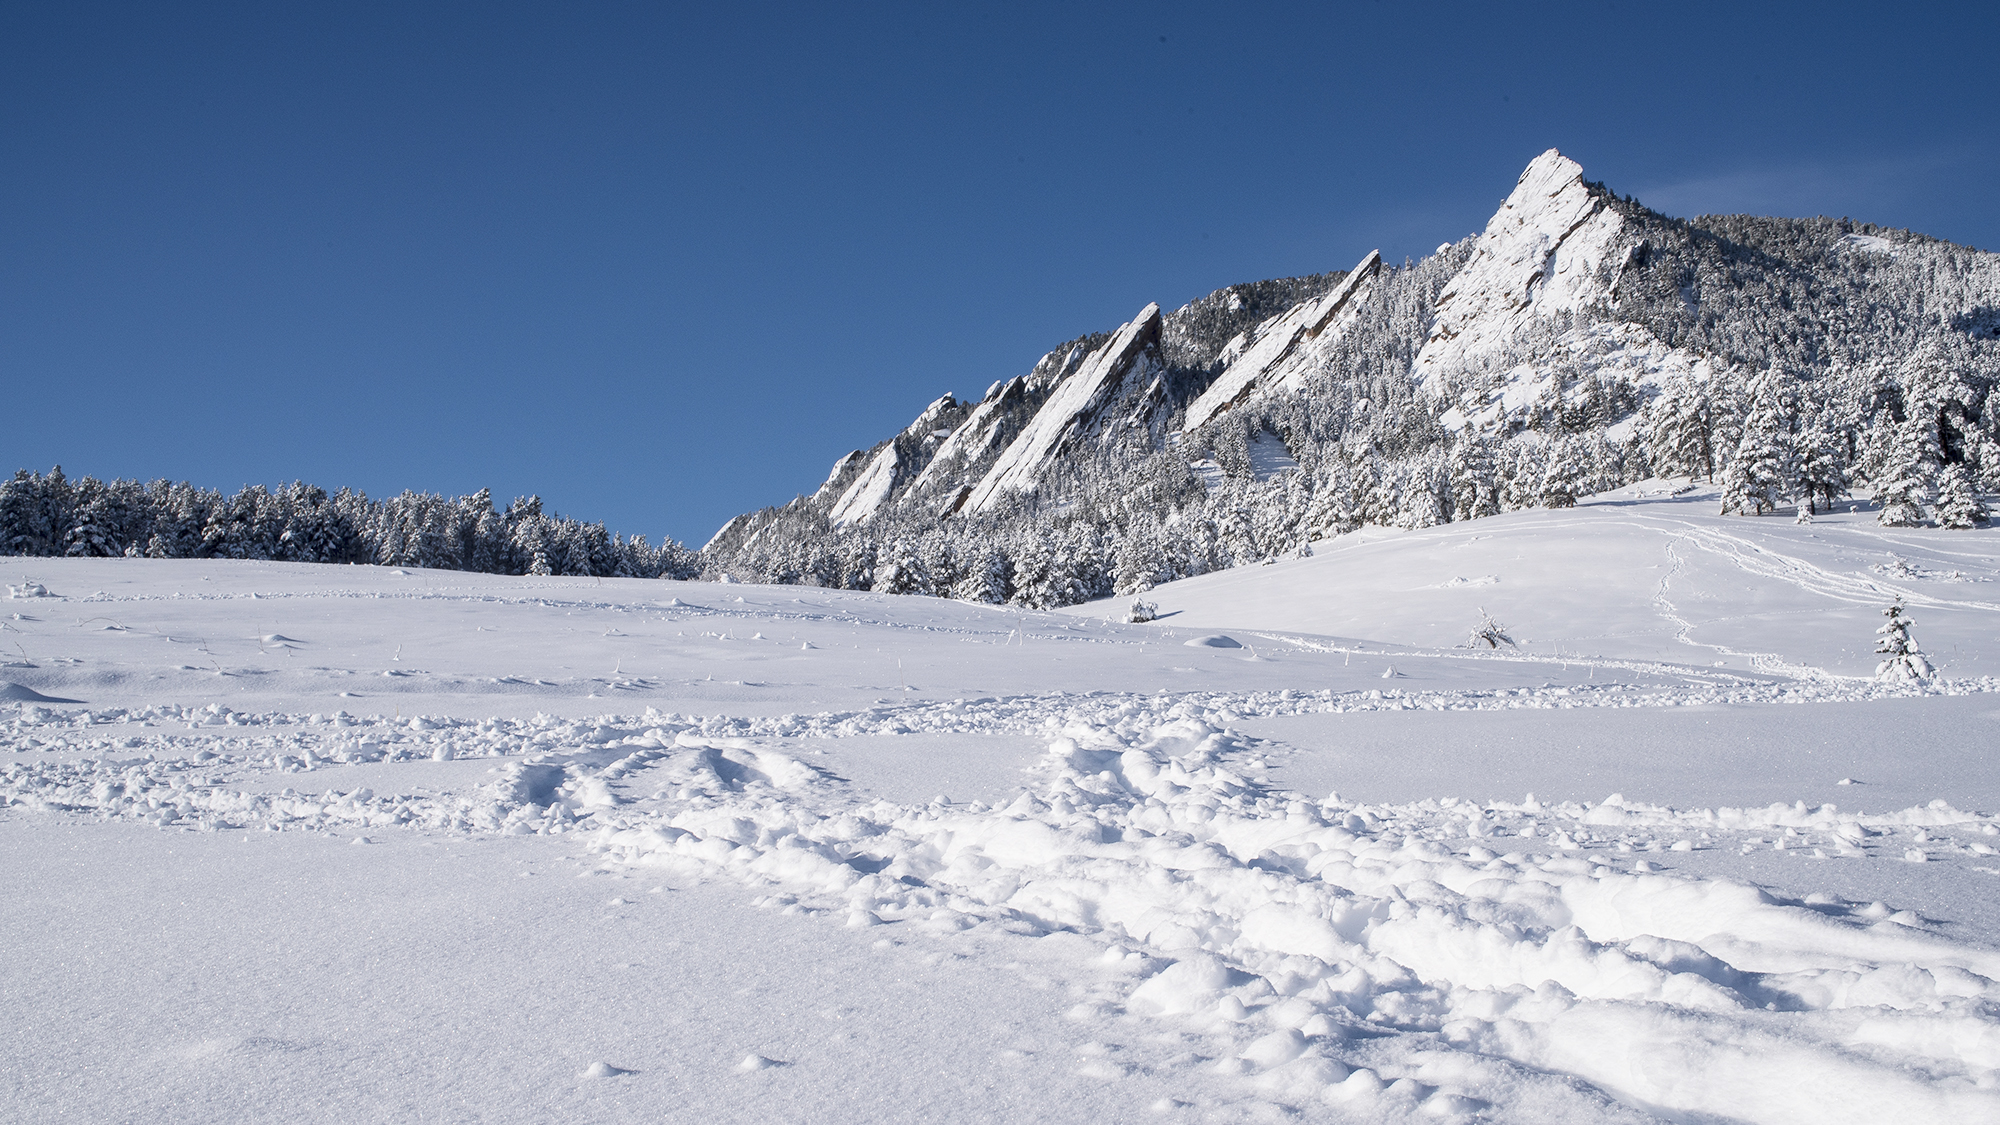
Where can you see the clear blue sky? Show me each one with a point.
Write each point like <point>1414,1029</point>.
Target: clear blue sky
<point>661,264</point>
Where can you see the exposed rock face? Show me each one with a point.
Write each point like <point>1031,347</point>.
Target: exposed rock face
<point>842,474</point>
<point>909,451</point>
<point>1542,252</point>
<point>870,490</point>
<point>984,433</point>
<point>724,533</point>
<point>1074,409</point>
<point>1271,360</point>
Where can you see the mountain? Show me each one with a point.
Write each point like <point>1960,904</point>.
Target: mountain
<point>1580,343</point>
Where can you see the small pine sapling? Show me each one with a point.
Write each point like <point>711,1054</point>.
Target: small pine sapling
<point>1142,611</point>
<point>1902,660</point>
<point>1489,633</point>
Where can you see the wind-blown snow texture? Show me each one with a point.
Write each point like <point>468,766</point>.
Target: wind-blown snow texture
<point>858,857</point>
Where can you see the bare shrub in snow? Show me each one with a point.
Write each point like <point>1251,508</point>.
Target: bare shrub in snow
<point>1489,633</point>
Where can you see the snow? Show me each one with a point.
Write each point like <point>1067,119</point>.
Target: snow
<point>1869,243</point>
<point>1635,575</point>
<point>1542,252</point>
<point>972,440</point>
<point>1273,360</point>
<point>1071,405</point>
<point>1269,457</point>
<point>643,850</point>
<point>1599,350</point>
<point>870,490</point>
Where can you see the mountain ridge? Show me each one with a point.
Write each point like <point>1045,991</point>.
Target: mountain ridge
<point>1579,342</point>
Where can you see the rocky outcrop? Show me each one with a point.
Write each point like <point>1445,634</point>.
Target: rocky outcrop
<point>1073,409</point>
<point>1542,252</point>
<point>1271,360</point>
<point>908,453</point>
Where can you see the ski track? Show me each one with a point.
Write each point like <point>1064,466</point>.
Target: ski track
<point>1767,662</point>
<point>1441,959</point>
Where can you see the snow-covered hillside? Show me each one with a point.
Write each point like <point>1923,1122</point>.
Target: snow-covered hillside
<point>636,849</point>
<point>1643,573</point>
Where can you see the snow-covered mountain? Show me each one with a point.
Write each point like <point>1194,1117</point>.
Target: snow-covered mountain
<point>1579,343</point>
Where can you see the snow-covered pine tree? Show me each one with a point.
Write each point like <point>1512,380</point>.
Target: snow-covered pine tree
<point>1762,474</point>
<point>92,522</point>
<point>1474,493</point>
<point>1909,471</point>
<point>1822,465</point>
<point>898,572</point>
<point>1563,464</point>
<point>1680,427</point>
<point>1902,661</point>
<point>984,578</point>
<point>1134,564</point>
<point>1033,579</point>
<point>1958,505</point>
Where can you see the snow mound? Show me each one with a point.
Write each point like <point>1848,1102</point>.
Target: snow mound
<point>1214,640</point>
<point>1287,921</point>
<point>11,692</point>
<point>29,590</point>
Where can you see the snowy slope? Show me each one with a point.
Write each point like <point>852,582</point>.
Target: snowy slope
<point>1600,351</point>
<point>723,852</point>
<point>1639,574</point>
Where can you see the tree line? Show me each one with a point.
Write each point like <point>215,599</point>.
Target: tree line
<point>51,514</point>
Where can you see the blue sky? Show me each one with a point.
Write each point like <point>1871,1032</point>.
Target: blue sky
<point>661,264</point>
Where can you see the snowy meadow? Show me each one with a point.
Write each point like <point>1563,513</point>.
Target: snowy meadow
<point>365,843</point>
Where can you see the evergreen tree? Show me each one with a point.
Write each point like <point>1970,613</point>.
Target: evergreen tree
<point>1909,470</point>
<point>1474,492</point>
<point>1902,661</point>
<point>1562,465</point>
<point>1959,506</point>
<point>1762,474</point>
<point>985,579</point>
<point>1822,466</point>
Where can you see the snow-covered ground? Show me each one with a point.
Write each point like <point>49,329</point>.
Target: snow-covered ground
<point>362,844</point>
